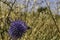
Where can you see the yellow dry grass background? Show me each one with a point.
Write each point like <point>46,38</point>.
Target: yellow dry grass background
<point>42,24</point>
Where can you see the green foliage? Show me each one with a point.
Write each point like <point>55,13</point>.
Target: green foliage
<point>40,9</point>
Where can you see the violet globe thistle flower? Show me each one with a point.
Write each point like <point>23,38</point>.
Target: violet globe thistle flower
<point>17,29</point>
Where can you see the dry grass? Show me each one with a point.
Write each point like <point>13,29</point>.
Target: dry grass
<point>43,27</point>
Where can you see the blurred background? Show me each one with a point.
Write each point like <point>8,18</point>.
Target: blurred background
<point>43,16</point>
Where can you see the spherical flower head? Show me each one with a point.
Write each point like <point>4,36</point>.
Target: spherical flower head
<point>17,29</point>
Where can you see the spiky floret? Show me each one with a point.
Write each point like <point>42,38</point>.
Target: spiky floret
<point>17,29</point>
